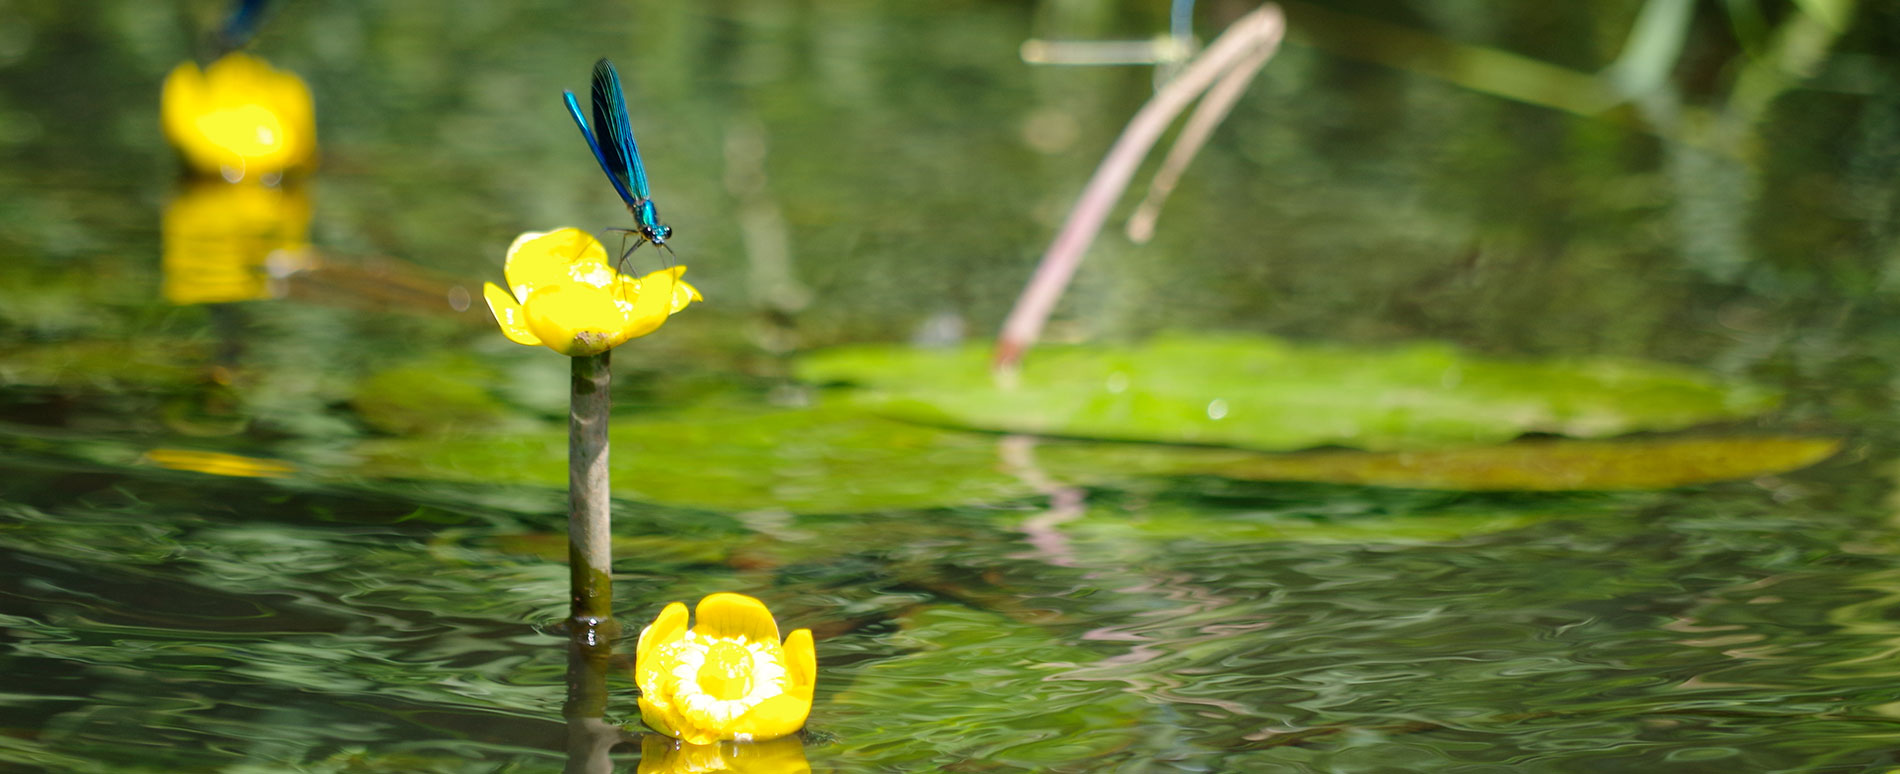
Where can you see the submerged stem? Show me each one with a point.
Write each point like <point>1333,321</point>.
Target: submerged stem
<point>589,554</point>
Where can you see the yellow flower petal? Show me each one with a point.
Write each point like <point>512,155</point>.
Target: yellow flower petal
<point>508,314</point>
<point>781,715</point>
<point>684,294</point>
<point>540,258</point>
<point>735,615</point>
<point>801,658</point>
<point>239,117</point>
<point>680,293</point>
<point>649,309</point>
<point>671,625</point>
<point>576,319</point>
<point>656,297</point>
<point>665,719</point>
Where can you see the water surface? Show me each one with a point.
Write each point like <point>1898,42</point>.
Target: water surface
<point>847,174</point>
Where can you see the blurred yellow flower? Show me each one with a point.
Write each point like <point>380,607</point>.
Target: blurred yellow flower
<point>225,242</point>
<point>218,464</point>
<point>660,755</point>
<point>239,118</point>
<point>564,295</point>
<point>726,679</point>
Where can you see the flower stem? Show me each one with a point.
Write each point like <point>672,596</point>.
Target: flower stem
<point>589,553</point>
<point>1242,44</point>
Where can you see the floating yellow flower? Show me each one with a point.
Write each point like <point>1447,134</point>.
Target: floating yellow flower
<point>727,678</point>
<point>228,242</point>
<point>239,118</point>
<point>567,297</point>
<point>660,755</point>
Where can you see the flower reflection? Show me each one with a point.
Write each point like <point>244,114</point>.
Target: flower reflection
<point>218,463</point>
<point>225,242</point>
<point>664,755</point>
<point>563,294</point>
<point>728,678</point>
<point>239,118</point>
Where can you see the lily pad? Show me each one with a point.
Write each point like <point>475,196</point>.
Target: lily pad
<point>835,460</point>
<point>1264,393</point>
<point>798,460</point>
<point>1555,465</point>
<point>1137,533</point>
<point>1547,466</point>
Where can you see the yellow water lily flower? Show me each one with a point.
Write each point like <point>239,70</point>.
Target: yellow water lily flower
<point>567,297</point>
<point>661,755</point>
<point>726,679</point>
<point>227,242</point>
<point>239,118</point>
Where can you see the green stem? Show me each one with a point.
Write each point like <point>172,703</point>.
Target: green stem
<point>589,553</point>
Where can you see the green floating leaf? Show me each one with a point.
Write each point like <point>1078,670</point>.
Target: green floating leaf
<point>816,461</point>
<point>1106,533</point>
<point>1267,394</point>
<point>797,460</point>
<point>1558,465</point>
<point>1542,466</point>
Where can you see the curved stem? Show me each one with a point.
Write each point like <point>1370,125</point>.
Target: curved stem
<point>1207,115</point>
<point>1262,28</point>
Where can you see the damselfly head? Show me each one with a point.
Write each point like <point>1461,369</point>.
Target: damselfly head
<point>657,234</point>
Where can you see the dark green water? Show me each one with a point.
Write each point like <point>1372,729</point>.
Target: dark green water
<point>853,172</point>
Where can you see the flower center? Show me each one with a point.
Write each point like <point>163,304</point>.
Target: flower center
<point>727,673</point>
<point>721,678</point>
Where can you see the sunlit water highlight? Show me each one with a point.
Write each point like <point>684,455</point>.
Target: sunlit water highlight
<point>321,630</point>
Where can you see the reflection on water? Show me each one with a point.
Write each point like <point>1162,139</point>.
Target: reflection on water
<point>662,755</point>
<point>246,619</point>
<point>217,464</point>
<point>206,566</point>
<point>226,242</point>
<point>590,737</point>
